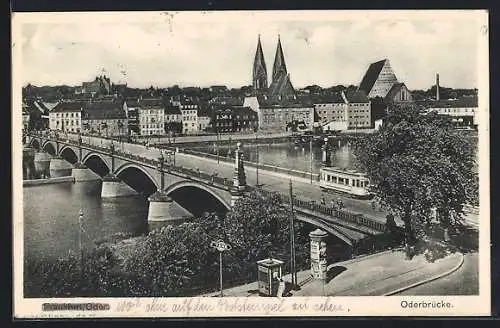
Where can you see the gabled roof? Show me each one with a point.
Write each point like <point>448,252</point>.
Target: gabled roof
<point>172,110</point>
<point>358,96</point>
<point>243,110</point>
<point>452,103</point>
<point>68,106</point>
<point>99,110</point>
<point>150,103</point>
<point>371,76</point>
<point>281,86</point>
<point>332,98</point>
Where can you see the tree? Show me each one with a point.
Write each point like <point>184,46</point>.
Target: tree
<point>417,162</point>
<point>258,228</point>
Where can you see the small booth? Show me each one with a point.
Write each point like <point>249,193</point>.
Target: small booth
<point>269,275</point>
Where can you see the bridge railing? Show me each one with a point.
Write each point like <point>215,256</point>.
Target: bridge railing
<point>215,179</point>
<point>355,218</point>
<point>264,167</point>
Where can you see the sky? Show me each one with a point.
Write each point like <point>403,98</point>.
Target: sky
<point>218,48</point>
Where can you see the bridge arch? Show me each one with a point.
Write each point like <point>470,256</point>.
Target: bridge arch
<point>328,228</point>
<point>96,163</point>
<point>131,166</point>
<point>197,197</point>
<point>49,148</point>
<point>35,144</point>
<point>68,154</point>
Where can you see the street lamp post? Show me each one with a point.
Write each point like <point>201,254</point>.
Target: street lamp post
<point>311,158</point>
<point>80,242</point>
<point>161,161</point>
<point>257,167</point>
<point>220,246</point>
<point>218,137</point>
<point>292,240</point>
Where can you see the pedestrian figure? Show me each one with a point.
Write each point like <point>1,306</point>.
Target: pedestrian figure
<point>340,203</point>
<point>323,202</point>
<point>373,205</point>
<point>281,288</point>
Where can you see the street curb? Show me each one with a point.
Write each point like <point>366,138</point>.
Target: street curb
<point>435,277</point>
<point>369,256</point>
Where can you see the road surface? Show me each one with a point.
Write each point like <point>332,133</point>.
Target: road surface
<point>464,281</point>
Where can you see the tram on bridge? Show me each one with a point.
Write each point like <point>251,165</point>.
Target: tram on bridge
<point>349,182</point>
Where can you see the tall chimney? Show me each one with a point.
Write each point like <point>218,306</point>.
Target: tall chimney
<point>437,86</point>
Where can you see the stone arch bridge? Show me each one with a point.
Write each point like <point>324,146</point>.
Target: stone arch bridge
<point>165,181</point>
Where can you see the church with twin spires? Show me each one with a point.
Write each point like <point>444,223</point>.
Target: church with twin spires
<point>281,88</point>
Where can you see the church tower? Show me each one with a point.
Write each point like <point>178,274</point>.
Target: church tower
<point>281,87</point>
<point>259,69</point>
<point>279,67</point>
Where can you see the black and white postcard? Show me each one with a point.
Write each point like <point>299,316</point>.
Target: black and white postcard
<point>259,163</point>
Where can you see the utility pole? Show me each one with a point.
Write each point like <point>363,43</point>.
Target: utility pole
<point>292,240</point>
<point>257,167</point>
<point>311,158</point>
<point>218,137</point>
<point>80,241</point>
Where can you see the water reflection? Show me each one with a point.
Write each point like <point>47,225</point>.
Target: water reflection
<point>288,155</point>
<point>51,217</point>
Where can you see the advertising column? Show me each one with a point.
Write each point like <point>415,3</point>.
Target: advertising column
<point>318,254</point>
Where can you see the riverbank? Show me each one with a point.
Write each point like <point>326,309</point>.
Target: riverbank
<point>39,182</point>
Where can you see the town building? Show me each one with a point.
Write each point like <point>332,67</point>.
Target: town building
<point>222,121</point>
<point>131,108</point>
<point>100,86</point>
<point>331,108</point>
<point>259,69</point>
<point>67,116</point>
<point>378,79</point>
<point>204,118</point>
<point>359,110</point>
<point>398,93</point>
<point>38,112</point>
<point>173,119</point>
<point>281,88</point>
<point>278,117</point>
<point>463,111</point>
<point>151,116</point>
<point>189,112</point>
<point>105,118</point>
<point>244,119</point>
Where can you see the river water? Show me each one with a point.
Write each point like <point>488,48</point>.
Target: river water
<point>51,213</point>
<point>287,155</point>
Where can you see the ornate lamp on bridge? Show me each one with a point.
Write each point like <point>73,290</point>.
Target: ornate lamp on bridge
<point>239,177</point>
<point>221,247</point>
<point>326,156</point>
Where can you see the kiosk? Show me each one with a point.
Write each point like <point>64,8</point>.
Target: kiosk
<point>269,275</point>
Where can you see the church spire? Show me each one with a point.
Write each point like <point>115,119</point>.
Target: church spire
<point>259,69</point>
<point>279,66</point>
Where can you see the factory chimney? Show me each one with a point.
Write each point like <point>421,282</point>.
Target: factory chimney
<point>437,86</point>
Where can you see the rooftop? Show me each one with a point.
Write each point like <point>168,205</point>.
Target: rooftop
<point>371,76</point>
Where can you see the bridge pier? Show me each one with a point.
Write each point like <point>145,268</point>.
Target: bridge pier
<point>59,167</point>
<point>42,163</point>
<point>113,187</point>
<point>28,163</point>
<point>82,173</point>
<point>163,208</point>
